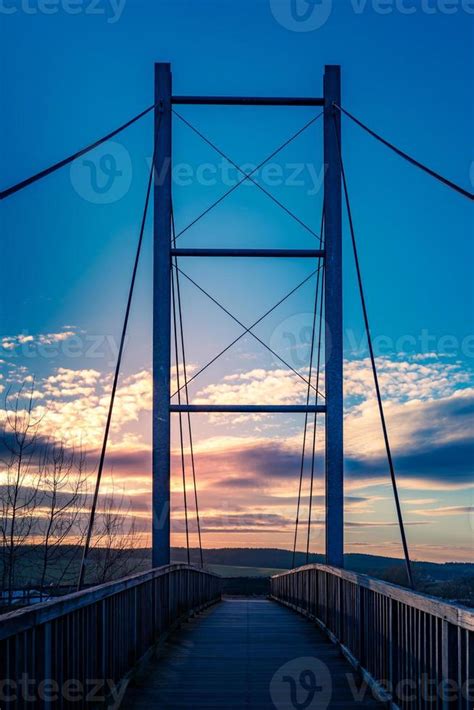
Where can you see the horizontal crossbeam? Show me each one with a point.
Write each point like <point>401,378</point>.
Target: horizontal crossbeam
<point>248,100</point>
<point>249,408</point>
<point>270,253</point>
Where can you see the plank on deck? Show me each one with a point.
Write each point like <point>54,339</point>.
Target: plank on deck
<point>227,657</point>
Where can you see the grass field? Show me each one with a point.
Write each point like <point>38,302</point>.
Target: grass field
<point>234,571</point>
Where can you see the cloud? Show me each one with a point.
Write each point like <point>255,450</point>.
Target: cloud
<point>446,511</point>
<point>73,405</point>
<point>419,501</point>
<point>400,381</point>
<point>431,444</point>
<point>381,524</point>
<point>404,379</point>
<point>11,342</point>
<point>431,438</point>
<point>257,386</point>
<point>247,522</point>
<point>251,470</point>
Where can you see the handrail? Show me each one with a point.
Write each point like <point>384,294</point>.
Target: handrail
<point>21,620</point>
<point>413,650</point>
<point>98,634</point>
<point>458,615</point>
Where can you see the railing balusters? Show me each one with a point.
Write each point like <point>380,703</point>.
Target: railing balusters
<point>411,644</point>
<point>99,633</point>
<point>469,673</point>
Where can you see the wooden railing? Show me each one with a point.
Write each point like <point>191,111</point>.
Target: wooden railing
<point>415,651</point>
<point>76,651</point>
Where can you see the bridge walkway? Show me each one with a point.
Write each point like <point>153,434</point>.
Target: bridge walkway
<point>248,654</point>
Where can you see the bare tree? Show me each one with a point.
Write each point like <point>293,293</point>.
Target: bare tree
<point>20,493</point>
<point>43,519</point>
<point>64,489</point>
<point>42,496</point>
<point>116,541</point>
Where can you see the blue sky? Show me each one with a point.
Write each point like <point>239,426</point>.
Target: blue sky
<point>67,253</point>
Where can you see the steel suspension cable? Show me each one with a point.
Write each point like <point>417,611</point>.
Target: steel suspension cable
<point>62,163</point>
<point>247,176</point>
<point>318,370</point>
<point>305,427</point>
<point>186,390</point>
<point>374,369</point>
<point>115,380</point>
<point>308,394</point>
<point>409,158</point>
<point>181,438</point>
<point>247,330</point>
<point>223,308</point>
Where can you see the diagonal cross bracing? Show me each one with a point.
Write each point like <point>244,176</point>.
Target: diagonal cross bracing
<point>247,176</point>
<point>247,330</point>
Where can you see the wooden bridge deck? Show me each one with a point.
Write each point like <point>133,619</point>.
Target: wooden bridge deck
<point>248,654</point>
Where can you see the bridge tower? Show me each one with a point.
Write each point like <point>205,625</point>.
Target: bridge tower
<point>162,257</point>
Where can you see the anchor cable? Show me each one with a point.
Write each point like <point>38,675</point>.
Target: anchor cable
<point>374,368</point>
<point>62,163</point>
<point>116,377</point>
<point>409,158</point>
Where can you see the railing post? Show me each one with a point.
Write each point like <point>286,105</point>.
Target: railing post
<point>135,623</point>
<point>103,650</point>
<point>341,617</point>
<point>316,593</point>
<point>392,644</point>
<point>48,661</point>
<point>362,634</point>
<point>449,665</point>
<point>161,317</point>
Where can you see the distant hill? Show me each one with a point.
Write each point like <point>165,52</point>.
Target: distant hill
<point>275,558</point>
<point>453,581</point>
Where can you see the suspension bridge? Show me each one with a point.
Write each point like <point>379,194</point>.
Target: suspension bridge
<point>325,637</point>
